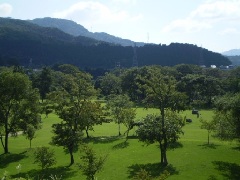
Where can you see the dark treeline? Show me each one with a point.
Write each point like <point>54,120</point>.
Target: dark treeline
<point>201,85</point>
<point>24,43</point>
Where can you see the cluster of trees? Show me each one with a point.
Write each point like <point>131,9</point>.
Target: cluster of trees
<point>72,94</point>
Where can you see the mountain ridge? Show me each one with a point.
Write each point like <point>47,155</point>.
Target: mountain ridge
<point>231,52</point>
<point>75,29</point>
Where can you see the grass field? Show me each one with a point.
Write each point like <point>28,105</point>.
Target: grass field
<point>191,159</point>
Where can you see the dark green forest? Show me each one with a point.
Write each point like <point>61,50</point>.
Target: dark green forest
<point>26,44</point>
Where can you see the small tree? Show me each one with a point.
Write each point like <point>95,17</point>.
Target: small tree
<point>128,116</point>
<point>119,107</point>
<point>151,130</point>
<point>91,114</point>
<point>91,163</point>
<point>208,125</point>
<point>30,133</point>
<point>44,157</point>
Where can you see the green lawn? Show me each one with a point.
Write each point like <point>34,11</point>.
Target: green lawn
<point>191,159</point>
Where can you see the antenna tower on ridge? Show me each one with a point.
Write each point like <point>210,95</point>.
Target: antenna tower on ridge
<point>135,61</point>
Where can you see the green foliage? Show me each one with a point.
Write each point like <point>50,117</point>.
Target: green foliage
<point>208,125</point>
<point>120,109</point>
<point>200,89</point>
<point>109,84</point>
<point>72,104</point>
<point>30,133</point>
<point>227,116</point>
<point>151,130</point>
<point>43,82</point>
<point>19,105</point>
<point>91,164</point>
<point>161,93</point>
<point>91,114</point>
<point>44,157</point>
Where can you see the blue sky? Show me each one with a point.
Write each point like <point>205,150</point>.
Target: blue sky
<point>212,24</point>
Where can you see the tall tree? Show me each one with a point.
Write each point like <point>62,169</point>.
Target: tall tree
<point>161,93</point>
<point>44,82</point>
<point>70,100</point>
<point>19,105</point>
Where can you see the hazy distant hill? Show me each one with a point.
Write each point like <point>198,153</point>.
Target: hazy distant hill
<point>232,52</point>
<point>75,29</point>
<point>25,43</point>
<point>235,60</point>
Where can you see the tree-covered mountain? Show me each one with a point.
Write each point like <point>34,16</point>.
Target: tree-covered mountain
<point>24,43</point>
<point>75,29</point>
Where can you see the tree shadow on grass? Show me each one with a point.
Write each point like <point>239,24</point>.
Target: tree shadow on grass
<point>209,146</point>
<point>132,137</point>
<point>63,172</point>
<point>228,170</point>
<point>154,169</point>
<point>9,158</point>
<point>121,145</point>
<point>175,145</point>
<point>237,148</point>
<point>102,139</point>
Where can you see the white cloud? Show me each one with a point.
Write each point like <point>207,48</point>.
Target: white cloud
<point>206,16</point>
<point>5,9</point>
<point>218,11</point>
<point>186,25</point>
<point>229,31</point>
<point>125,1</point>
<point>90,12</point>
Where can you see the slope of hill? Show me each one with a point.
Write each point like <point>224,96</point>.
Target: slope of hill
<point>75,29</point>
<point>22,42</point>
<point>232,52</point>
<point>235,60</point>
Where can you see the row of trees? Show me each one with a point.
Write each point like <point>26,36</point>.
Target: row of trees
<point>71,94</point>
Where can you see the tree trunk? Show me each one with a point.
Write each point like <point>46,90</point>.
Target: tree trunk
<point>161,152</point>
<point>165,141</point>
<point>2,141</point>
<point>6,144</point>
<point>208,138</point>
<point>119,133</point>
<point>71,158</point>
<point>165,161</point>
<point>30,143</point>
<point>87,132</point>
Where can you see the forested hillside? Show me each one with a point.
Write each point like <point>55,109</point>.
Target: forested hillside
<point>24,43</point>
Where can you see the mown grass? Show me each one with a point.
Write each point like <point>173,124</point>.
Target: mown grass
<point>192,158</point>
